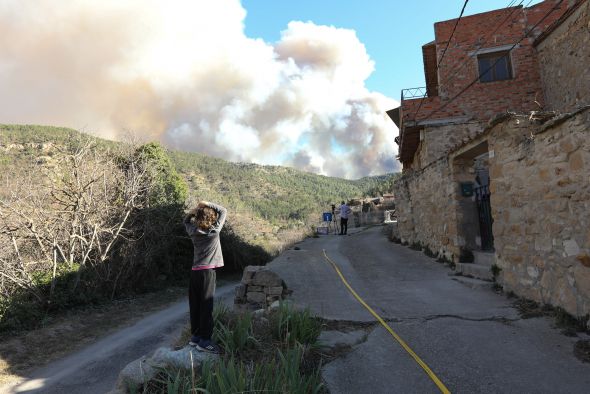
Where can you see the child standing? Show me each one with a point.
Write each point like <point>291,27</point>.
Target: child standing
<point>203,224</point>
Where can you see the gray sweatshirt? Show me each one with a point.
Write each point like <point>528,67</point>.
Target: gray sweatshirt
<point>207,247</point>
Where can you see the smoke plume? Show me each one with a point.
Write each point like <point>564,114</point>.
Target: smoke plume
<point>183,72</point>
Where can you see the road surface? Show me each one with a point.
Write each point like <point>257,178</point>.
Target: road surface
<point>470,336</point>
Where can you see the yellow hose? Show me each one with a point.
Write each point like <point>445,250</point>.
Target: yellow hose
<point>422,364</point>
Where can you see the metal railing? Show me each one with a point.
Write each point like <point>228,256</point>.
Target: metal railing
<point>414,93</point>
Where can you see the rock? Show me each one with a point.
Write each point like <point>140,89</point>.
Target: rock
<point>259,313</point>
<point>266,278</point>
<point>136,374</point>
<point>255,288</point>
<point>256,297</point>
<point>249,273</point>
<point>240,291</point>
<point>275,290</point>
<point>186,358</point>
<point>571,247</point>
<point>275,305</point>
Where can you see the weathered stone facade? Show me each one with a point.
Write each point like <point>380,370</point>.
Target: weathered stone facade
<point>541,205</point>
<point>436,141</point>
<point>564,56</point>
<point>540,199</point>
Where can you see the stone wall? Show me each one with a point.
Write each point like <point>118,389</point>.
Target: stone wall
<point>423,199</point>
<point>439,140</point>
<point>541,208</point>
<point>260,287</point>
<point>540,197</point>
<point>564,56</point>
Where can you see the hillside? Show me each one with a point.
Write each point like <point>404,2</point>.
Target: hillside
<point>269,206</point>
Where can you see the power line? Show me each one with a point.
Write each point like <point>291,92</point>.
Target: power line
<point>493,65</point>
<point>444,51</point>
<point>452,77</point>
<point>452,33</point>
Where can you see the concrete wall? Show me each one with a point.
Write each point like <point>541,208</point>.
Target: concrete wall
<point>564,59</point>
<point>541,207</point>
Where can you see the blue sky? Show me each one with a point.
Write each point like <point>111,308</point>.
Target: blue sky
<point>393,31</point>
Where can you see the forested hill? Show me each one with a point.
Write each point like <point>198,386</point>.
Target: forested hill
<point>265,202</point>
<point>274,193</point>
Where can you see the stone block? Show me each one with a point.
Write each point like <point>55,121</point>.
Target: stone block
<point>275,290</point>
<point>255,288</point>
<point>571,247</point>
<point>576,161</point>
<point>272,298</point>
<point>266,278</point>
<point>240,291</point>
<point>249,273</point>
<point>256,297</point>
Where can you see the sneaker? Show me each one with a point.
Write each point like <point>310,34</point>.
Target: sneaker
<point>195,339</point>
<point>206,345</point>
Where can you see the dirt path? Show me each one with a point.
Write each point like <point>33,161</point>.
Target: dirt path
<point>95,368</point>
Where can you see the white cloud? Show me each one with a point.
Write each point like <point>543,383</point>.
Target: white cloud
<point>183,72</point>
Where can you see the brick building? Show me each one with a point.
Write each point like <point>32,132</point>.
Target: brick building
<point>513,84</point>
<point>491,178</point>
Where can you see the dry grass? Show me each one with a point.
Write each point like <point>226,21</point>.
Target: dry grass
<point>62,335</point>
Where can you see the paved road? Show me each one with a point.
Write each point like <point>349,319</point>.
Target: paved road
<point>471,337</point>
<point>94,370</point>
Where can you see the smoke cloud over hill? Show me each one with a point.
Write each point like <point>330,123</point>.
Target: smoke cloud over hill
<point>183,72</point>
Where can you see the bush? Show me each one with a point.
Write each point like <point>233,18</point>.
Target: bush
<point>416,246</point>
<point>234,335</point>
<point>291,327</point>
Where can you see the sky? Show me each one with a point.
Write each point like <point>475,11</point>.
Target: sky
<point>297,83</point>
<point>393,31</point>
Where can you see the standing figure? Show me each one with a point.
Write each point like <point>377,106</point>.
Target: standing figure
<point>344,212</point>
<point>203,224</point>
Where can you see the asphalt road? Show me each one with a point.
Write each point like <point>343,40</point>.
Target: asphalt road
<point>94,369</point>
<point>470,336</point>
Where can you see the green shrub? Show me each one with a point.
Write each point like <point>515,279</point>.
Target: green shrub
<point>236,335</point>
<point>428,252</point>
<point>416,246</point>
<point>281,374</point>
<point>290,326</point>
<point>495,270</point>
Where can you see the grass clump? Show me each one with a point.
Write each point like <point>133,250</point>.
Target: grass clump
<point>416,246</point>
<point>234,334</point>
<point>428,252</point>
<point>291,327</point>
<point>275,352</point>
<point>495,270</point>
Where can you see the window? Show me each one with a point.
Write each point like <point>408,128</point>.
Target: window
<point>494,66</point>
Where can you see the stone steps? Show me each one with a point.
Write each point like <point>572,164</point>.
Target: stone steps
<point>479,271</point>
<point>484,258</point>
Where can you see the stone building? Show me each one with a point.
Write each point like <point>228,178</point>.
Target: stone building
<point>496,150</point>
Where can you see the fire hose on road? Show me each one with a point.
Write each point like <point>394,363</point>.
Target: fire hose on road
<point>404,345</point>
